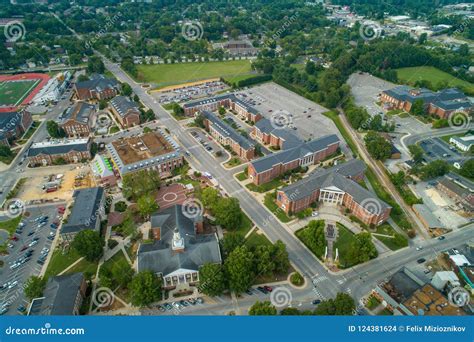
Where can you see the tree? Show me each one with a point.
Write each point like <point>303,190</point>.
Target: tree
<point>34,287</point>
<point>199,121</point>
<point>418,107</point>
<point>122,272</point>
<point>102,104</point>
<point>140,183</point>
<point>5,151</point>
<point>342,305</point>
<point>416,152</point>
<point>95,65</point>
<point>126,89</point>
<point>264,308</point>
<point>310,67</point>
<point>120,206</point>
<point>378,147</point>
<point>239,269</point>
<point>222,110</point>
<point>212,279</point>
<point>290,312</point>
<point>313,237</point>
<point>145,288</point>
<point>362,249</point>
<point>467,169</point>
<point>210,197</point>
<point>436,168</point>
<point>228,213</point>
<point>280,257</point>
<point>54,130</point>
<point>231,241</point>
<point>264,264</point>
<point>147,205</point>
<point>89,244</point>
<point>423,38</point>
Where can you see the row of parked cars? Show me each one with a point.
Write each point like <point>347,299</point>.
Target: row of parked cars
<point>180,304</point>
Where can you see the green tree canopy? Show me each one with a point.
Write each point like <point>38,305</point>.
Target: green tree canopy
<point>264,308</point>
<point>212,280</point>
<point>89,244</point>
<point>147,205</point>
<point>54,130</point>
<point>342,305</point>
<point>239,269</point>
<point>34,287</point>
<point>145,288</point>
<point>140,183</point>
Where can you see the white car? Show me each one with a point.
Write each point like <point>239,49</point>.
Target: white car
<point>13,284</point>
<point>314,214</point>
<point>419,248</point>
<point>15,265</point>
<point>32,243</point>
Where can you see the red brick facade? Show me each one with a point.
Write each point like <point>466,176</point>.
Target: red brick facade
<point>70,158</point>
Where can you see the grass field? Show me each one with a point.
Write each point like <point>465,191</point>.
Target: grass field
<point>433,75</point>
<point>12,93</point>
<point>168,74</point>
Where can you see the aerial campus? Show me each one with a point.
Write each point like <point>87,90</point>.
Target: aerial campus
<point>208,166</point>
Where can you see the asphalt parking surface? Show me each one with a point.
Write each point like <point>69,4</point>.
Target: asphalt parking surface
<point>14,296</point>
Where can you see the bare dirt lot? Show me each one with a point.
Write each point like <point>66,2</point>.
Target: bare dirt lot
<point>73,178</point>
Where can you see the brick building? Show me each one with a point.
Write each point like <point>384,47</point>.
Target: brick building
<point>230,101</point>
<point>59,151</point>
<point>337,185</point>
<point>98,87</point>
<point>13,125</point>
<point>226,135</point>
<point>78,120</point>
<point>441,103</point>
<point>266,134</point>
<point>149,151</point>
<point>125,111</point>
<point>462,195</point>
<point>267,168</point>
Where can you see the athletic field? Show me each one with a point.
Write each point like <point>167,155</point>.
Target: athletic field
<point>168,74</point>
<point>12,93</point>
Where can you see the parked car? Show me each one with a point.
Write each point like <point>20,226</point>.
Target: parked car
<point>199,300</point>
<point>421,260</point>
<point>316,301</point>
<point>419,248</point>
<point>262,289</point>
<point>268,288</point>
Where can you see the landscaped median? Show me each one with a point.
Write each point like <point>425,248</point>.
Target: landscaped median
<point>10,227</point>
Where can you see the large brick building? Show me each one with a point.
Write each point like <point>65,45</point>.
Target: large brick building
<point>267,168</point>
<point>266,134</point>
<point>77,121</point>
<point>59,151</point>
<point>125,111</point>
<point>441,103</point>
<point>230,101</point>
<point>149,151</point>
<point>226,135</point>
<point>13,125</point>
<point>459,192</point>
<point>337,185</point>
<point>98,87</point>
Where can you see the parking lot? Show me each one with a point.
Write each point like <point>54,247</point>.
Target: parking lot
<point>436,149</point>
<point>24,253</point>
<point>187,93</point>
<point>209,144</point>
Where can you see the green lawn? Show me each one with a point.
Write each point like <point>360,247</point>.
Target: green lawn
<point>10,225</point>
<point>256,239</point>
<point>337,121</point>
<point>59,261</point>
<point>343,243</point>
<point>12,93</point>
<point>169,74</point>
<point>241,176</point>
<point>398,241</point>
<point>86,267</point>
<point>245,225</point>
<point>271,205</point>
<point>235,79</point>
<point>433,75</point>
<point>273,184</point>
<point>234,161</point>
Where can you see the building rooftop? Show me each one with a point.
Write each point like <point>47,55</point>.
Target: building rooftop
<point>337,177</point>
<point>123,104</point>
<point>227,131</point>
<point>59,296</point>
<point>425,212</point>
<point>212,100</point>
<point>291,154</point>
<point>160,257</point>
<point>98,83</point>
<point>133,153</point>
<point>80,112</point>
<point>85,210</point>
<point>53,147</point>
<point>9,121</point>
<point>429,301</point>
<point>290,139</point>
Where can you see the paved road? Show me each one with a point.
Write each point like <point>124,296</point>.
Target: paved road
<point>327,284</point>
